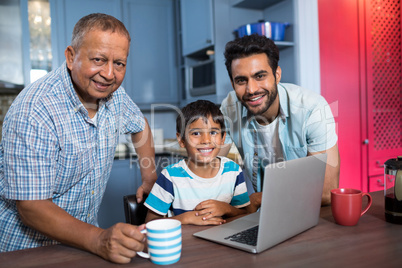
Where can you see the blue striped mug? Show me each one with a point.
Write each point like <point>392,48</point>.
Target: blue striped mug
<point>164,241</point>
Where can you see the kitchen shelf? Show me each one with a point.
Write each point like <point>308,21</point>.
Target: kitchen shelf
<point>284,44</point>
<point>254,4</point>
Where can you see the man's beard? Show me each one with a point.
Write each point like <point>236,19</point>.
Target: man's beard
<point>271,96</point>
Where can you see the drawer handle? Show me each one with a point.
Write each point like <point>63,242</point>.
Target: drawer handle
<point>378,164</point>
<point>380,183</point>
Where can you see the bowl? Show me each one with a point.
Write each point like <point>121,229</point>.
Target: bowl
<point>272,30</point>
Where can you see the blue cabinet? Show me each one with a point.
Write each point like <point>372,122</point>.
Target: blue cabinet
<point>151,70</point>
<point>196,25</point>
<point>125,179</point>
<point>151,75</point>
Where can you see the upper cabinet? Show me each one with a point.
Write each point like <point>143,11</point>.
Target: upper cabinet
<point>205,29</point>
<point>151,75</point>
<point>152,67</point>
<point>197,23</point>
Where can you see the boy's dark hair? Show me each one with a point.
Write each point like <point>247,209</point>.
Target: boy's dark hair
<point>196,110</point>
<point>250,45</point>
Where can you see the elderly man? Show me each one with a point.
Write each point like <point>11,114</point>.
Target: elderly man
<point>57,149</point>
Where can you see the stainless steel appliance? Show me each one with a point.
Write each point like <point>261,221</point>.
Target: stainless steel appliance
<point>200,78</point>
<point>393,190</point>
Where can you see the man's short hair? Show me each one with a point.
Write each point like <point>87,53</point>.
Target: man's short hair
<point>250,45</point>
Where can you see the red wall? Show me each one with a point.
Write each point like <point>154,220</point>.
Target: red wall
<point>340,82</point>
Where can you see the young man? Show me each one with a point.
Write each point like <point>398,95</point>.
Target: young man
<point>204,188</point>
<point>270,121</point>
<point>57,151</point>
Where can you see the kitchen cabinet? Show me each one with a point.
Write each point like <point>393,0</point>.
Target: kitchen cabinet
<point>151,75</point>
<point>125,178</point>
<point>361,79</point>
<point>216,22</point>
<point>196,25</point>
<point>11,59</point>
<point>152,70</point>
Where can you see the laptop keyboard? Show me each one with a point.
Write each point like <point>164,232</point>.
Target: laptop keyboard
<point>248,236</point>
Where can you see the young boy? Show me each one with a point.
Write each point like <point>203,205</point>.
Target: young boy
<point>204,188</point>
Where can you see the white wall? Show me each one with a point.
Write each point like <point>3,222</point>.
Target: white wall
<point>308,45</point>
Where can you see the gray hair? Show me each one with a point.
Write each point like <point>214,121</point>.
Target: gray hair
<point>96,21</point>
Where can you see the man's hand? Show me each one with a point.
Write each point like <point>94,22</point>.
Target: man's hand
<point>144,147</point>
<point>145,188</point>
<point>120,242</point>
<point>331,173</point>
<point>255,202</point>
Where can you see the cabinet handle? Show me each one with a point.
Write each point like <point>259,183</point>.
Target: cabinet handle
<point>380,183</point>
<point>209,41</point>
<point>379,164</point>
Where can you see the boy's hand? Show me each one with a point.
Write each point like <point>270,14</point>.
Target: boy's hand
<point>190,217</point>
<point>212,208</point>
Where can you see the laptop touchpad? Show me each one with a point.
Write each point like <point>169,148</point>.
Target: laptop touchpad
<point>243,222</point>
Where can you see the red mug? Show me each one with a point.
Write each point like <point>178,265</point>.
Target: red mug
<point>346,205</point>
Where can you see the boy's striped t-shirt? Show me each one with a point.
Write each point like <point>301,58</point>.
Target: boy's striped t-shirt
<point>179,187</point>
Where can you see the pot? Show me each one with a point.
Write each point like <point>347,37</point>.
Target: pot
<point>272,30</point>
<point>393,190</point>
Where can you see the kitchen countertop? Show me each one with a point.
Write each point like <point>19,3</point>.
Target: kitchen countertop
<point>373,242</point>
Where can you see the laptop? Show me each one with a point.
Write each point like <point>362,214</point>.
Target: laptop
<point>291,202</point>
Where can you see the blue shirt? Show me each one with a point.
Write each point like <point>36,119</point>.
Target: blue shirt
<point>306,124</point>
<point>179,187</point>
<point>51,148</point>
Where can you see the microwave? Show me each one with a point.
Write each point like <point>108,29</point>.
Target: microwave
<point>200,78</point>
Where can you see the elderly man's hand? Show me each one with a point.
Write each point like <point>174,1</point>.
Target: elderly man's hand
<point>143,189</point>
<point>120,243</point>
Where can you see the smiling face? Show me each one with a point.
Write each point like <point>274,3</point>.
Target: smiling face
<point>203,140</point>
<point>98,66</point>
<point>256,86</point>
